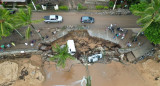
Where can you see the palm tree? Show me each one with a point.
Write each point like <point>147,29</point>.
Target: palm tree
<point>149,15</point>
<point>61,55</point>
<point>24,18</point>
<point>7,23</point>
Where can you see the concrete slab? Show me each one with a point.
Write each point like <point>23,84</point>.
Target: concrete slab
<point>146,47</point>
<point>130,57</point>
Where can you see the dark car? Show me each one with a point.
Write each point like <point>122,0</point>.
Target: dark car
<point>87,19</point>
<point>11,11</point>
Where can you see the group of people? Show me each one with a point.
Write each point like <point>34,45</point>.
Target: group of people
<point>121,32</point>
<point>31,43</point>
<point>4,46</point>
<point>111,28</point>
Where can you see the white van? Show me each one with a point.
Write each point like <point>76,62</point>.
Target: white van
<point>71,47</point>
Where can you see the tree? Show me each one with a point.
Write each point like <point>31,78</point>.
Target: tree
<point>61,55</point>
<point>24,18</point>
<point>7,24</point>
<point>132,2</point>
<point>153,32</point>
<point>149,16</point>
<point>139,7</point>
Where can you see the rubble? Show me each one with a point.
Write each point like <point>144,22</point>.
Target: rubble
<point>84,44</point>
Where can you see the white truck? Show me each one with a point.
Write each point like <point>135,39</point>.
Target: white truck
<point>71,47</point>
<point>53,18</point>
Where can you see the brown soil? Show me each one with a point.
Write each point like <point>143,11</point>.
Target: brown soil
<point>150,69</point>
<point>22,72</point>
<point>86,43</point>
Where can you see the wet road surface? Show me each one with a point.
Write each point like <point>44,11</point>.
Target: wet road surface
<point>73,18</point>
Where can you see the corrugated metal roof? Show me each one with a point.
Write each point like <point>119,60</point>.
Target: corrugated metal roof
<point>13,0</point>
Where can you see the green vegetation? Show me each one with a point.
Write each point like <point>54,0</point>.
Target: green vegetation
<point>99,7</point>
<point>111,4</point>
<point>106,7</point>
<point>28,33</point>
<point>88,81</point>
<point>139,7</point>
<point>31,6</point>
<point>149,19</point>
<point>118,6</point>
<point>24,18</point>
<point>10,22</point>
<point>61,55</point>
<point>132,2</point>
<point>153,32</point>
<point>63,7</point>
<point>38,7</point>
<point>80,7</point>
<point>7,24</point>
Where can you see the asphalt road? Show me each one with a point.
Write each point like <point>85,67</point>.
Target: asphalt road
<point>73,18</point>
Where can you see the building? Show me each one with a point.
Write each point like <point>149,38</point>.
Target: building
<point>14,2</point>
<point>95,1</point>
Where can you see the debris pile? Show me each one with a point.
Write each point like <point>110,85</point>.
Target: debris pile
<point>85,44</point>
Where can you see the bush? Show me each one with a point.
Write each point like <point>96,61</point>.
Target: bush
<point>38,7</point>
<point>106,7</point>
<point>138,7</point>
<point>3,4</point>
<point>63,8</point>
<point>99,7</point>
<point>118,6</point>
<point>80,7</point>
<point>31,6</point>
<point>111,4</point>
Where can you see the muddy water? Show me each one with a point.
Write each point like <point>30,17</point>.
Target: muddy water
<point>62,77</point>
<point>114,74</point>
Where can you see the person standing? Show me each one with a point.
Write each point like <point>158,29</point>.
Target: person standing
<point>129,44</point>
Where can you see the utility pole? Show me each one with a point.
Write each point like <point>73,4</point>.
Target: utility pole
<point>114,5</point>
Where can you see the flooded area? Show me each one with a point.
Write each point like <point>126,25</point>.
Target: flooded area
<point>113,74</point>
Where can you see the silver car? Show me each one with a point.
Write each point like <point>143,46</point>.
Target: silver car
<point>53,18</point>
<point>94,58</point>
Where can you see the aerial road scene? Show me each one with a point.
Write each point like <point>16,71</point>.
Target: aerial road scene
<point>79,42</point>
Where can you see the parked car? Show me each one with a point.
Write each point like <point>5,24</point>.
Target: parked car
<point>94,58</point>
<point>53,18</point>
<point>87,19</point>
<point>11,11</point>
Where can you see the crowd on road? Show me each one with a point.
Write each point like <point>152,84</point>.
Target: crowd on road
<point>8,45</point>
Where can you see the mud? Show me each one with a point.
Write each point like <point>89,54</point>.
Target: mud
<point>85,43</point>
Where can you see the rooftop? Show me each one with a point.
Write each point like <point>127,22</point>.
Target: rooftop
<point>13,0</point>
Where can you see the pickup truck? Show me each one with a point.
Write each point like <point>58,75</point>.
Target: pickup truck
<point>53,18</point>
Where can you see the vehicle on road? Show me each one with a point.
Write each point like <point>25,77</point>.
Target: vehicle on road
<point>94,58</point>
<point>71,47</point>
<point>87,19</point>
<point>53,18</point>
